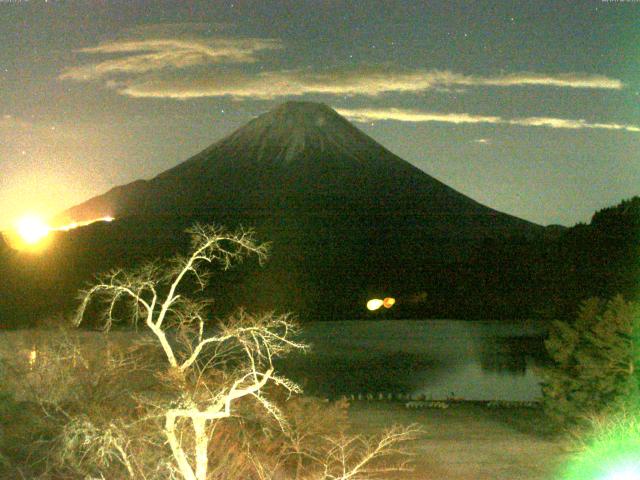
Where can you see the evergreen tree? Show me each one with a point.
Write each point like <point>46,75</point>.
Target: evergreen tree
<point>595,361</point>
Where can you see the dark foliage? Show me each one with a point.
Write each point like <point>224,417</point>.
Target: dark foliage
<point>326,268</point>
<point>595,361</point>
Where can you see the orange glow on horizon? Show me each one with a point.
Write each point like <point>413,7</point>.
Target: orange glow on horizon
<point>31,231</point>
<point>72,225</point>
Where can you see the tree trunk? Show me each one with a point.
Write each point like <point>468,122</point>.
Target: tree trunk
<point>202,442</point>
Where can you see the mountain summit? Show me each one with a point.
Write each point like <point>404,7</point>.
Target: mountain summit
<point>294,127</point>
<point>303,157</point>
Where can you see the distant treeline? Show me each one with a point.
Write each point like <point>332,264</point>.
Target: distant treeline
<point>323,269</point>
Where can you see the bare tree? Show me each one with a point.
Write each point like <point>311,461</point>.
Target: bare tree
<point>366,458</point>
<point>208,372</point>
<point>152,293</point>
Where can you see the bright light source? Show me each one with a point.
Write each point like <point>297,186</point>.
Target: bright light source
<point>32,233</point>
<point>33,355</point>
<point>374,304</point>
<point>627,472</point>
<point>32,229</point>
<point>612,452</point>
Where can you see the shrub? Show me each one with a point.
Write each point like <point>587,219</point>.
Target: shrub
<point>608,448</point>
<point>595,361</point>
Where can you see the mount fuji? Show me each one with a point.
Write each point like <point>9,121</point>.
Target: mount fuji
<point>304,157</point>
<point>348,220</point>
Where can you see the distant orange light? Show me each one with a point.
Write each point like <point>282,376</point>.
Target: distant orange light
<point>31,232</point>
<point>72,225</point>
<point>388,302</point>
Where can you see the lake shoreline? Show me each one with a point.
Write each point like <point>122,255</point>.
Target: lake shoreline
<point>401,360</point>
<point>469,441</point>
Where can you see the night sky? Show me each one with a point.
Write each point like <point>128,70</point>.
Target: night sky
<point>529,107</point>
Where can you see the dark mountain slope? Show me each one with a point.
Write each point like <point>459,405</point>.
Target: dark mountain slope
<point>302,157</point>
<point>347,219</point>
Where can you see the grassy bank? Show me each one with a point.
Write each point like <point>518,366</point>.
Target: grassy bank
<point>469,441</point>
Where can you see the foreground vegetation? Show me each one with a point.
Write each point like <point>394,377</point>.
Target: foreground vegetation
<point>323,269</point>
<point>185,401</point>
<point>592,388</point>
<point>188,399</point>
<point>469,441</point>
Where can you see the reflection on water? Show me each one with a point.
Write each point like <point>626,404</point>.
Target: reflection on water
<point>508,355</point>
<point>334,374</point>
<point>435,358</point>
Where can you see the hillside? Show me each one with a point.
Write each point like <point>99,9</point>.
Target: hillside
<point>302,157</point>
<point>347,220</point>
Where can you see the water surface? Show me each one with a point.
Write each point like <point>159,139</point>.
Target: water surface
<point>481,360</point>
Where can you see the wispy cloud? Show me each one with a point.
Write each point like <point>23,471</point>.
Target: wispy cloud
<point>572,124</point>
<point>142,56</point>
<point>570,80</point>
<point>183,61</point>
<point>405,115</point>
<point>369,81</point>
<point>365,81</point>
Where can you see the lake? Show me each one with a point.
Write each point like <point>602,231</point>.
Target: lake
<point>439,359</point>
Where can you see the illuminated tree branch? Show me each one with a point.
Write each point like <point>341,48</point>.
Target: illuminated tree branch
<point>357,457</point>
<point>257,338</point>
<point>212,369</point>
